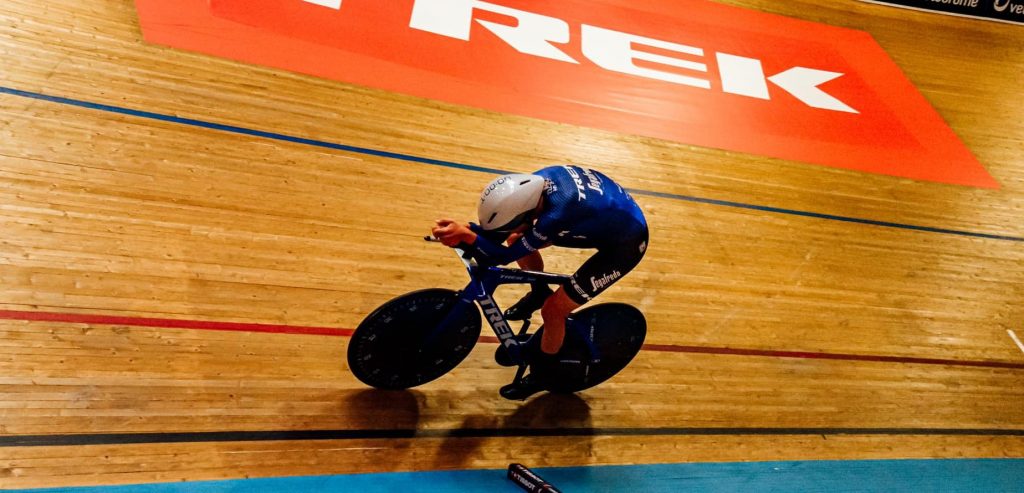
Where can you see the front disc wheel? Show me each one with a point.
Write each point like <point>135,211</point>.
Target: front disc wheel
<point>398,346</point>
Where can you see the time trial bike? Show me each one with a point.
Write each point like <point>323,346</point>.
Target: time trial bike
<point>420,336</point>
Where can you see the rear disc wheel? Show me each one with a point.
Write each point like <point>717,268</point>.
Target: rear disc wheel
<point>617,330</point>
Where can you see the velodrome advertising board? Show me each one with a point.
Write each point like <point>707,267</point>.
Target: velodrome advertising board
<point>689,71</point>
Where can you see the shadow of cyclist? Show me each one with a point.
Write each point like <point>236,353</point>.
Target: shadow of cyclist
<point>551,411</point>
<point>562,417</point>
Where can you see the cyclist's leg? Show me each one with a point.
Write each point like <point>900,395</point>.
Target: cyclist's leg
<point>530,302</point>
<point>534,299</point>
<point>597,274</point>
<point>532,262</point>
<point>555,310</point>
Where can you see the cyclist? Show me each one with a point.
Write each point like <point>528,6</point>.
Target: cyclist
<point>565,206</point>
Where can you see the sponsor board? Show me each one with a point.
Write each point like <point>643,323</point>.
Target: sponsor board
<point>690,71</point>
<point>1011,11</point>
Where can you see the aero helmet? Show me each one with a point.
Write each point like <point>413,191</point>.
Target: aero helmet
<point>508,201</point>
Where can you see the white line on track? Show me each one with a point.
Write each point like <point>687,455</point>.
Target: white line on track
<point>1015,339</point>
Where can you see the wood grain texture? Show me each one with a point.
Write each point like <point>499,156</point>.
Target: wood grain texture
<point>114,214</point>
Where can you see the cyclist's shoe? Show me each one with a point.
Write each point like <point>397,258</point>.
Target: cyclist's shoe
<point>520,391</point>
<point>530,303</point>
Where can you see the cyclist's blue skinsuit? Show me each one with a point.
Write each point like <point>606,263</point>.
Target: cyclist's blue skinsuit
<point>582,209</point>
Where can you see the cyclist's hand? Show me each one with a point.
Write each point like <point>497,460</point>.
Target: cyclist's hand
<point>452,233</point>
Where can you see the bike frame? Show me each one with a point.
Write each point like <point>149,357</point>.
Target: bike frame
<point>483,282</point>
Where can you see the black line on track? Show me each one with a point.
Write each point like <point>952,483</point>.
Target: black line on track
<point>315,435</point>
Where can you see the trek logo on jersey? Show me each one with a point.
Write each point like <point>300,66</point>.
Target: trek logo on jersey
<point>579,289</point>
<point>580,189</point>
<point>691,71</point>
<point>593,182</point>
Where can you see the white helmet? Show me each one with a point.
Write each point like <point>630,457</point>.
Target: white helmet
<point>508,201</point>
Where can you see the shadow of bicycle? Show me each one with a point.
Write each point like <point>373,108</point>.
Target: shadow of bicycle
<point>373,409</point>
<point>551,411</point>
<point>564,418</point>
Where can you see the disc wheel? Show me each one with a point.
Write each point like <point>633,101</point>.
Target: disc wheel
<point>393,347</point>
<point>617,331</point>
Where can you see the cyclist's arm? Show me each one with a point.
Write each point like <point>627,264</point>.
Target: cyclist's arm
<point>532,261</point>
<point>496,254</point>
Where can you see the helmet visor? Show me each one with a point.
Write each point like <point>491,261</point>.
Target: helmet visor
<point>496,237</point>
<point>517,221</point>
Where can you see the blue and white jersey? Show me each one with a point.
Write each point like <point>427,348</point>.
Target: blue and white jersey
<point>583,208</point>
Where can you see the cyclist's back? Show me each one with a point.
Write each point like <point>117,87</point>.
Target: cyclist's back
<point>585,209</point>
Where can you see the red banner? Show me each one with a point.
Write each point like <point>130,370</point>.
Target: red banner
<point>690,71</point>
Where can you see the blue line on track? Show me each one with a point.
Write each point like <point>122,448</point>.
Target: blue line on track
<point>830,217</point>
<point>482,169</point>
<point>961,475</point>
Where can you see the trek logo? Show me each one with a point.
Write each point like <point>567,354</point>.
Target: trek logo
<point>697,72</point>
<point>593,181</point>
<point>579,289</point>
<point>538,35</point>
<point>497,321</point>
<point>580,190</point>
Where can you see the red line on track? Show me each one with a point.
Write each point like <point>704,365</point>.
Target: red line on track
<point>80,318</point>
<point>831,356</point>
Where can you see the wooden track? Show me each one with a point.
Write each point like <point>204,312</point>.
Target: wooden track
<point>121,215</point>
